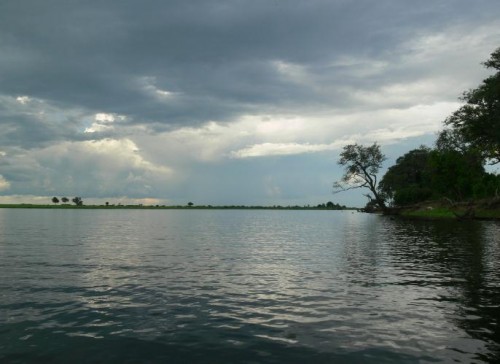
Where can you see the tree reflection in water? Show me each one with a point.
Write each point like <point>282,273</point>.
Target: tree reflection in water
<point>466,255</point>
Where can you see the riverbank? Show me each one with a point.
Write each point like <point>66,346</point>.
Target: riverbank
<point>445,209</point>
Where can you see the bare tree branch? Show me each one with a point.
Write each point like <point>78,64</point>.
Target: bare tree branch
<point>361,167</point>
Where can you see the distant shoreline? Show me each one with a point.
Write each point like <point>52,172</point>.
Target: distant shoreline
<point>165,207</point>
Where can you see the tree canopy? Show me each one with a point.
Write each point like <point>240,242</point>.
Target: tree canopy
<point>77,201</point>
<point>426,173</point>
<point>406,181</point>
<point>478,121</point>
<point>362,165</point>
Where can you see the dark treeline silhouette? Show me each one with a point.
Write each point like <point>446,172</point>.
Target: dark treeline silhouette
<point>76,200</point>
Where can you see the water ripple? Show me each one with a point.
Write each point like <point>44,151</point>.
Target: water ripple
<point>246,286</point>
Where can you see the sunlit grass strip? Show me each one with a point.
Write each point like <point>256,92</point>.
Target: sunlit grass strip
<point>444,213</point>
<point>434,213</point>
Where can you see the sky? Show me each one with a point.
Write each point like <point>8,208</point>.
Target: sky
<point>224,101</point>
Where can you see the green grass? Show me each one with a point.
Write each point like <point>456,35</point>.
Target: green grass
<point>434,213</point>
<point>446,213</point>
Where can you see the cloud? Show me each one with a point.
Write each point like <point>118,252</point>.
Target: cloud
<point>105,167</point>
<point>103,122</point>
<point>272,149</point>
<point>171,63</point>
<point>4,184</point>
<point>142,100</point>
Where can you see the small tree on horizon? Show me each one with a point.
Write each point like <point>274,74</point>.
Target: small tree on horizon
<point>55,200</point>
<point>77,201</point>
<point>361,167</point>
<point>64,200</point>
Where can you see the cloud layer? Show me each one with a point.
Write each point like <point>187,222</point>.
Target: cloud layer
<point>147,99</point>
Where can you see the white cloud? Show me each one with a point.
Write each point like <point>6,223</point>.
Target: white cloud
<point>148,85</point>
<point>293,72</point>
<point>274,135</point>
<point>124,151</point>
<point>103,122</point>
<point>106,118</point>
<point>4,184</point>
<point>89,168</point>
<point>419,92</point>
<point>23,99</point>
<point>97,127</point>
<point>273,149</point>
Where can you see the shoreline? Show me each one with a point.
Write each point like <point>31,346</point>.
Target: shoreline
<point>444,209</point>
<point>165,207</point>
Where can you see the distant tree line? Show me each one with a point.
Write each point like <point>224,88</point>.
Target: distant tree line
<point>454,168</point>
<point>331,206</point>
<point>76,200</point>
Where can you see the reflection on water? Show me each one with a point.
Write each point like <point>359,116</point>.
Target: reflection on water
<point>465,257</point>
<point>246,286</point>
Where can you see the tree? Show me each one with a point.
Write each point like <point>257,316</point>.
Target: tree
<point>451,139</point>
<point>453,174</point>
<point>478,121</point>
<point>77,201</point>
<point>55,200</point>
<point>361,167</point>
<point>190,204</point>
<point>424,173</point>
<point>406,182</point>
<point>64,200</point>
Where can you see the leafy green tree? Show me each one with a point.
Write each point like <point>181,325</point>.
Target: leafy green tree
<point>55,200</point>
<point>487,187</point>
<point>190,204</point>
<point>423,173</point>
<point>361,165</point>
<point>478,121</point>
<point>453,174</point>
<point>452,139</point>
<point>406,181</point>
<point>64,200</point>
<point>77,201</point>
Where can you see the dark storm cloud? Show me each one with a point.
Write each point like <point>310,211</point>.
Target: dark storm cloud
<point>214,56</point>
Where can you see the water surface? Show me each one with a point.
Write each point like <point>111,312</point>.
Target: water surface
<point>239,286</point>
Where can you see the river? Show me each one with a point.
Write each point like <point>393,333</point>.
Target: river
<point>241,286</point>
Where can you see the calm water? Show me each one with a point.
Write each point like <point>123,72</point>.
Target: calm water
<point>176,286</point>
